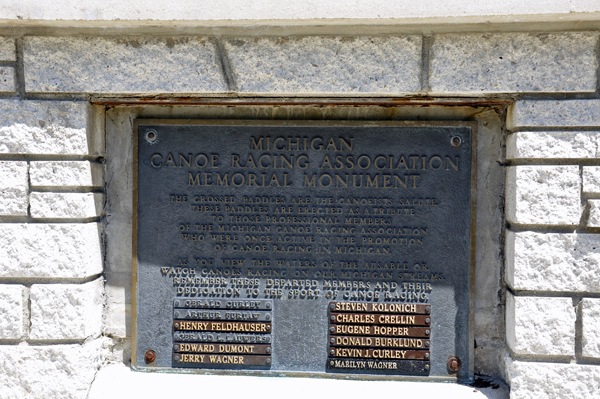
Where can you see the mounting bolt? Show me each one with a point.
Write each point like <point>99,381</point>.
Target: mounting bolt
<point>150,356</point>
<point>176,325</point>
<point>268,361</point>
<point>428,308</point>
<point>268,349</point>
<point>332,329</point>
<point>332,340</point>
<point>268,305</point>
<point>454,364</point>
<point>427,356</point>
<point>427,344</point>
<point>426,367</point>
<point>176,347</point>
<point>456,141</point>
<point>332,318</point>
<point>332,306</point>
<point>427,332</point>
<point>332,352</point>
<point>428,320</point>
<point>176,358</point>
<point>151,136</point>
<point>331,363</point>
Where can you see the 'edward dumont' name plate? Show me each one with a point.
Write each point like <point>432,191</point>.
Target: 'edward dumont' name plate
<point>320,247</point>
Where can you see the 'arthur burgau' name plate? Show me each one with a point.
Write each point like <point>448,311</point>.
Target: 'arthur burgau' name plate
<point>319,247</point>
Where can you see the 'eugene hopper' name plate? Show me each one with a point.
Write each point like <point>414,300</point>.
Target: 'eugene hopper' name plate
<point>323,247</point>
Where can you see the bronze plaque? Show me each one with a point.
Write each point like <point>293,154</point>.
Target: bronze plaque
<point>319,247</point>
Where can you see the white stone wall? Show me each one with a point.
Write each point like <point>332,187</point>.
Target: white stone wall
<point>65,310</point>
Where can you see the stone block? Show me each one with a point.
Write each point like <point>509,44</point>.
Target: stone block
<point>7,79</point>
<point>554,113</point>
<point>591,327</point>
<point>14,188</point>
<point>122,65</point>
<point>66,205</point>
<point>540,326</point>
<point>555,145</point>
<point>591,179</point>
<point>326,64</point>
<point>65,174</point>
<point>66,311</point>
<point>513,63</point>
<point>12,305</point>
<point>7,49</point>
<point>63,250</point>
<point>56,371</point>
<point>45,127</point>
<point>117,313</point>
<point>594,217</point>
<point>553,261</point>
<point>548,195</point>
<point>536,380</point>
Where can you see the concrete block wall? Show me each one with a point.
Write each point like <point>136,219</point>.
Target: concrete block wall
<point>553,248</point>
<point>60,321</point>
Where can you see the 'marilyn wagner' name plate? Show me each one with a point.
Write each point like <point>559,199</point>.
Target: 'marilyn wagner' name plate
<point>320,247</point>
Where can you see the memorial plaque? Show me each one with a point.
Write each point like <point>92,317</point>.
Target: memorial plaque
<point>322,247</point>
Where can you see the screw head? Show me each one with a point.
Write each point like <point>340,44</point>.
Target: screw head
<point>332,352</point>
<point>331,363</point>
<point>427,356</point>
<point>427,332</point>
<point>426,367</point>
<point>176,347</point>
<point>268,305</point>
<point>150,356</point>
<point>151,136</point>
<point>332,329</point>
<point>268,327</point>
<point>176,325</point>
<point>332,318</point>
<point>332,340</point>
<point>428,308</point>
<point>268,361</point>
<point>332,306</point>
<point>269,349</point>
<point>427,343</point>
<point>176,358</point>
<point>427,320</point>
<point>454,364</point>
<point>456,140</point>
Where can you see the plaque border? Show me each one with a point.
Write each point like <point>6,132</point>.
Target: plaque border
<point>463,376</point>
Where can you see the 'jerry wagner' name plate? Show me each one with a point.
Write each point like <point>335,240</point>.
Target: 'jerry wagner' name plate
<point>322,247</point>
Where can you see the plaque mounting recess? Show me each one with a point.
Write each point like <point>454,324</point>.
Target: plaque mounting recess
<point>341,248</point>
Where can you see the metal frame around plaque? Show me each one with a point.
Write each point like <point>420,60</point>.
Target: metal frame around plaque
<point>345,330</point>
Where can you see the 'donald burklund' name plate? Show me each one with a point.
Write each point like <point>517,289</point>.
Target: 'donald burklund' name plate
<point>333,248</point>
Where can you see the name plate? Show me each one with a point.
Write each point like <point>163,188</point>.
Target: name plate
<point>320,247</point>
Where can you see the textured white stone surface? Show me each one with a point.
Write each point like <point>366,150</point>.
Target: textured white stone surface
<point>326,11</point>
<point>120,382</point>
<point>66,311</point>
<point>14,188</point>
<point>65,174</point>
<point>43,127</point>
<point>53,371</point>
<point>553,261</point>
<point>326,64</point>
<point>591,179</point>
<point>591,327</point>
<point>543,195</point>
<point>66,205</point>
<point>124,65</point>
<point>7,49</point>
<point>594,217</point>
<point>12,304</point>
<point>7,79</point>
<point>540,326</point>
<point>513,62</point>
<point>62,250</point>
<point>557,145</point>
<point>554,113</point>
<point>117,311</point>
<point>534,380</point>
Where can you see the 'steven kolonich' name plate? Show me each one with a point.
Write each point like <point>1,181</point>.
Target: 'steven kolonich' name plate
<point>320,247</point>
